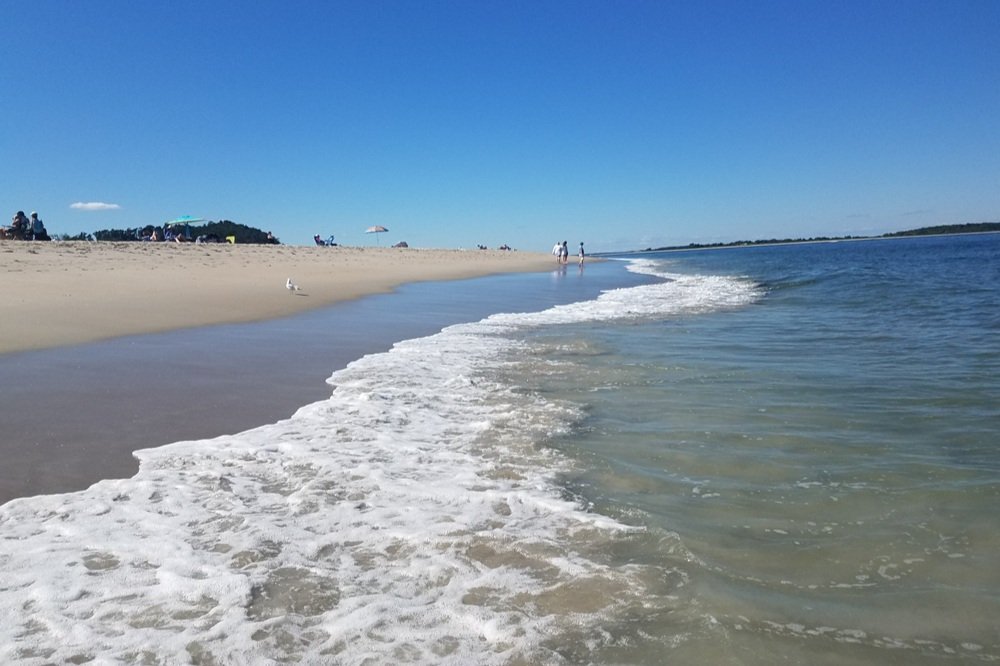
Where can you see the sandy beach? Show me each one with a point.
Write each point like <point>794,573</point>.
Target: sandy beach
<point>117,351</point>
<point>71,292</point>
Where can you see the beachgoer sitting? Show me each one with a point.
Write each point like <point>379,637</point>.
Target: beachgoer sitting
<point>18,226</point>
<point>318,240</point>
<point>38,232</point>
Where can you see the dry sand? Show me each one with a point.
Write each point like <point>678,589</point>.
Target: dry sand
<point>70,292</point>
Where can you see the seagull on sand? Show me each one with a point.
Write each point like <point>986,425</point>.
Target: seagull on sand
<point>291,286</point>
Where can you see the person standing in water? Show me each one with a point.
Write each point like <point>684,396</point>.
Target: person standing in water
<point>581,253</point>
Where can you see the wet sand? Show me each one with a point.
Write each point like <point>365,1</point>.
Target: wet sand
<point>73,415</point>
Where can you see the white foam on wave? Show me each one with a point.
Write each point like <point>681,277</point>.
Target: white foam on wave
<point>676,294</point>
<point>411,517</point>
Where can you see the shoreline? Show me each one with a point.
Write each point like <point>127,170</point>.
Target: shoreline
<point>76,414</point>
<point>64,293</point>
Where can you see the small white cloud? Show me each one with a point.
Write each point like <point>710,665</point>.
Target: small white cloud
<point>94,205</point>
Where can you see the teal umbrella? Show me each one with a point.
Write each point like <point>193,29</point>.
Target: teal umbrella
<point>185,220</point>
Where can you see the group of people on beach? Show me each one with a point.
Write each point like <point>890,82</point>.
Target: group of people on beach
<point>24,228</point>
<point>561,253</point>
<point>169,233</point>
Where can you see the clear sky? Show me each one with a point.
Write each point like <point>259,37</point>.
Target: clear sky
<point>624,124</point>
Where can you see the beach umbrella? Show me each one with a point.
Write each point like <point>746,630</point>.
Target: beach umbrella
<point>377,229</point>
<point>186,220</point>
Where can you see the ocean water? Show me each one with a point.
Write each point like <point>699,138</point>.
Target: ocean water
<point>750,456</point>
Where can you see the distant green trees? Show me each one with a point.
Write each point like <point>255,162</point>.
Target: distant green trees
<point>226,228</point>
<point>119,234</point>
<point>221,230</point>
<point>975,228</point>
<point>971,228</point>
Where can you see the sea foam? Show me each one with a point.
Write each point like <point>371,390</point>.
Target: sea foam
<point>414,516</point>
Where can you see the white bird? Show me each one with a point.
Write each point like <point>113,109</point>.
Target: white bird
<point>291,286</point>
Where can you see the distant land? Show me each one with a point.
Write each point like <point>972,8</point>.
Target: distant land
<point>213,231</point>
<point>974,228</point>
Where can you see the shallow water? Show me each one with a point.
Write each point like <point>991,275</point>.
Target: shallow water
<point>827,457</point>
<point>766,455</point>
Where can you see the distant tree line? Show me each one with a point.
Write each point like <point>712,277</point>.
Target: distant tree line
<point>975,228</point>
<point>215,230</point>
<point>759,241</point>
<point>971,228</point>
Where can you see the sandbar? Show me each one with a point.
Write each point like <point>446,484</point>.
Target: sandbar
<point>72,292</point>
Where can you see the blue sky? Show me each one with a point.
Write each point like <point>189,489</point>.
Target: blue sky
<point>624,124</point>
